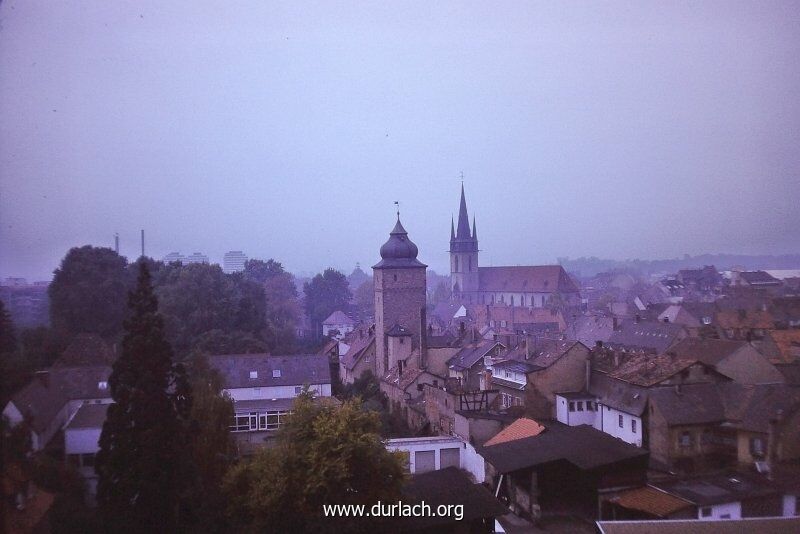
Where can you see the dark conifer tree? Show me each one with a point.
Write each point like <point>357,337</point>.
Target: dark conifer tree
<point>142,471</point>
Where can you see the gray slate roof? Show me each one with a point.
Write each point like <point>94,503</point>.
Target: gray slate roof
<point>470,355</point>
<point>647,335</point>
<point>89,416</point>
<point>295,370</point>
<point>44,396</point>
<point>582,446</point>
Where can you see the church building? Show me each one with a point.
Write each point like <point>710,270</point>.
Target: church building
<point>530,286</point>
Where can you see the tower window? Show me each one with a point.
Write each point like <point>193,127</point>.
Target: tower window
<point>470,264</point>
<point>456,259</point>
<point>512,300</point>
<point>395,278</point>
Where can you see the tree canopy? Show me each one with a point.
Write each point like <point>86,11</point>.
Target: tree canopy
<point>282,307</point>
<point>88,292</point>
<point>324,294</point>
<point>325,455</point>
<point>141,464</point>
<point>199,298</point>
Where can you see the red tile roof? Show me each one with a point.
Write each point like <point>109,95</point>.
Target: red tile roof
<point>652,501</point>
<point>519,429</point>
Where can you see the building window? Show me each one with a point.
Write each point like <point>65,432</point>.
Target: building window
<point>685,440</point>
<point>571,406</point>
<point>756,446</point>
<point>620,421</point>
<point>512,300</point>
<point>253,375</point>
<point>276,373</point>
<point>705,511</point>
<point>580,406</point>
<point>456,260</point>
<point>298,390</point>
<point>590,406</point>
<point>102,385</point>
<point>633,426</point>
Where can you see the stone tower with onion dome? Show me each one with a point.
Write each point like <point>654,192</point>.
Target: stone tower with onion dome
<point>399,300</point>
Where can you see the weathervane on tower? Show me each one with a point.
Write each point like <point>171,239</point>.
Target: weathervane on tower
<point>397,203</point>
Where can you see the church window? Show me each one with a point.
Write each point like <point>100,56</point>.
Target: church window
<point>395,278</point>
<point>512,300</point>
<point>470,264</point>
<point>456,260</point>
<point>492,298</point>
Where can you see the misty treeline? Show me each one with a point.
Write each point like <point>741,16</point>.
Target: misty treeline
<point>587,267</point>
<point>205,310</point>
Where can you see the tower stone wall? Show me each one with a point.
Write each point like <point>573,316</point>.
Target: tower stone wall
<point>400,294</point>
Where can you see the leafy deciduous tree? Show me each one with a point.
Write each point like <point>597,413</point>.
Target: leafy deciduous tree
<point>325,455</point>
<point>88,292</point>
<point>325,293</point>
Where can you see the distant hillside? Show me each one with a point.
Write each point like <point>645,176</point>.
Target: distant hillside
<point>585,267</point>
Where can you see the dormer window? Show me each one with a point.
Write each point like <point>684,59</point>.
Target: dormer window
<point>276,373</point>
<point>253,375</point>
<point>102,385</point>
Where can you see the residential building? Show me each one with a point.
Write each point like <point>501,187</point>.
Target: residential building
<point>560,469</point>
<point>82,441</point>
<point>754,279</point>
<point>50,400</point>
<point>174,257</point>
<point>263,388</point>
<point>533,373</point>
<point>337,324</point>
<point>195,257</point>
<point>469,364</point>
<point>732,495</point>
<point>233,261</point>
<point>737,360</point>
<point>359,356</point>
<point>649,336</point>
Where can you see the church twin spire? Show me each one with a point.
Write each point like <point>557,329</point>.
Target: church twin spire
<point>462,231</point>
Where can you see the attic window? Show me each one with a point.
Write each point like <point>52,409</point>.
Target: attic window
<point>276,373</point>
<point>102,385</point>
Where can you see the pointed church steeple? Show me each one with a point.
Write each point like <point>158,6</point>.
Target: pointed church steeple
<point>474,230</point>
<point>463,218</point>
<point>452,229</point>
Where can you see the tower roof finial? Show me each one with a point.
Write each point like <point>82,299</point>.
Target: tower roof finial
<point>397,203</point>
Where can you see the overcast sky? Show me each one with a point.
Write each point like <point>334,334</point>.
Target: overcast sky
<point>287,130</point>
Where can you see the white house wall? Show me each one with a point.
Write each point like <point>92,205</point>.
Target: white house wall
<point>82,440</point>
<point>469,459</point>
<point>576,417</point>
<point>276,392</point>
<point>790,505</point>
<point>607,420</point>
<point>730,510</point>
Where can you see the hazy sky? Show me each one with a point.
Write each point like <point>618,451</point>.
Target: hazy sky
<point>286,130</point>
